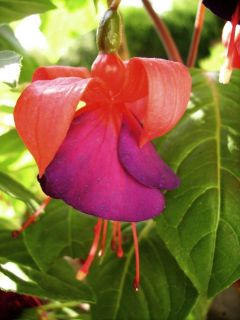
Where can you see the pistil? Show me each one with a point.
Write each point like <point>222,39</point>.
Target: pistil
<point>136,248</point>
<point>104,236</point>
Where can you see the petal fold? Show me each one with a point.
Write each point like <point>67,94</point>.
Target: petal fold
<point>53,72</point>
<point>164,86</point>
<point>144,163</point>
<point>45,110</point>
<point>86,173</point>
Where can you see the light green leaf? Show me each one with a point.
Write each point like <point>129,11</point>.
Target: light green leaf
<point>10,66</point>
<point>11,10</point>
<point>201,224</point>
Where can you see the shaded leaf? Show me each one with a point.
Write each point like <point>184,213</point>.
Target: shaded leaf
<point>10,66</point>
<point>201,224</point>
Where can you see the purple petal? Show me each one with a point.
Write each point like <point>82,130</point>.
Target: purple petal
<point>144,163</point>
<point>86,174</point>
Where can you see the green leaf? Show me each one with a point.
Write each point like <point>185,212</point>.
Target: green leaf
<point>11,10</point>
<point>19,272</point>
<point>165,292</point>
<point>9,41</point>
<point>16,190</point>
<point>61,231</point>
<point>201,224</point>
<point>10,66</point>
<point>11,148</point>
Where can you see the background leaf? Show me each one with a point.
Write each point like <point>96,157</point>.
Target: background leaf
<point>201,224</point>
<point>11,10</point>
<point>10,66</point>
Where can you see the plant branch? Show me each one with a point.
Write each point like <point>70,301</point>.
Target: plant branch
<point>192,55</point>
<point>163,32</point>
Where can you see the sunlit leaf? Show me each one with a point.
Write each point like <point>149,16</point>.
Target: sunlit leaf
<point>10,66</point>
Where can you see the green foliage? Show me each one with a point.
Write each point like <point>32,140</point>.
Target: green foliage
<point>11,10</point>
<point>201,223</point>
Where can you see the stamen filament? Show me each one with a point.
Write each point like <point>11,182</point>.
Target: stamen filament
<point>104,236</point>
<point>32,218</point>
<point>83,271</point>
<point>120,249</point>
<point>136,248</point>
<point>114,236</point>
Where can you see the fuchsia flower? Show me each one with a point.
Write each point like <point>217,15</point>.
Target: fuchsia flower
<point>98,158</point>
<point>230,11</point>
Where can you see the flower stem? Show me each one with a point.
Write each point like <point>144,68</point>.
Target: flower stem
<point>163,32</point>
<point>192,55</point>
<point>114,4</point>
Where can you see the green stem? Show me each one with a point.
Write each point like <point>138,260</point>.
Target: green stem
<point>192,55</point>
<point>163,32</point>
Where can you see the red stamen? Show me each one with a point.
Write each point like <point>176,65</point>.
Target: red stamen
<point>104,236</point>
<point>32,218</point>
<point>114,236</point>
<point>83,271</point>
<point>136,248</point>
<point>120,249</point>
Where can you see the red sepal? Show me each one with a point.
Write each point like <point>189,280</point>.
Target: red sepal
<point>45,110</point>
<point>53,72</point>
<point>164,88</point>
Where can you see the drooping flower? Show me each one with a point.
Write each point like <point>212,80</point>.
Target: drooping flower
<point>90,134</point>
<point>230,11</point>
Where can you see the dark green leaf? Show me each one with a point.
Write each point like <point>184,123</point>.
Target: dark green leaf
<point>201,224</point>
<point>11,10</point>
<point>59,283</point>
<point>60,231</point>
<point>16,190</point>
<point>10,66</point>
<point>165,292</point>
